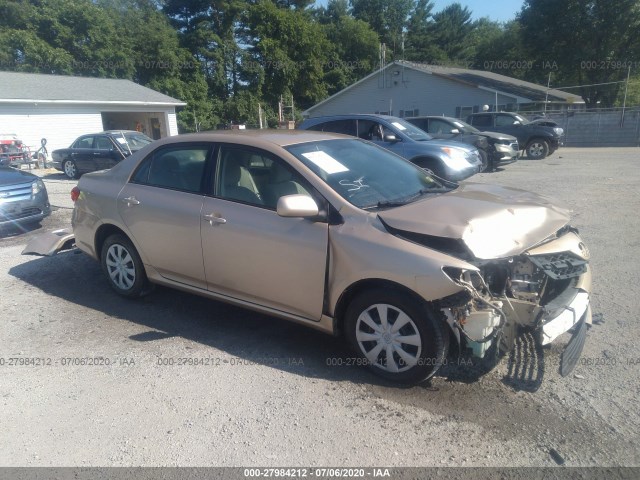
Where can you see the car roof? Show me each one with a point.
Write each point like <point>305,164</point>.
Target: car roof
<point>257,138</point>
<point>347,116</point>
<point>435,117</point>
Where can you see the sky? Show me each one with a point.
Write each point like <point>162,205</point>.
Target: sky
<point>499,10</point>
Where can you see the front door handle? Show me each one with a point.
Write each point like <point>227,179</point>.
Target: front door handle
<point>214,218</point>
<point>132,201</point>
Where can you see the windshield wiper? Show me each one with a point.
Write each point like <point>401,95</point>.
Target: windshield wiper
<point>402,202</point>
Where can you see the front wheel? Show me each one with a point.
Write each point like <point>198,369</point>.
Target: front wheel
<point>123,266</point>
<point>537,149</point>
<point>487,163</point>
<point>397,335</point>
<point>70,169</point>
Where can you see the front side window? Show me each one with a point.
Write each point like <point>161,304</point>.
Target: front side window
<point>103,143</point>
<point>256,177</point>
<point>505,120</point>
<point>177,168</point>
<point>439,126</point>
<point>365,175</point>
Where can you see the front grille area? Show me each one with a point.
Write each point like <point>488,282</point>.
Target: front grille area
<point>14,193</point>
<point>19,214</point>
<point>560,266</point>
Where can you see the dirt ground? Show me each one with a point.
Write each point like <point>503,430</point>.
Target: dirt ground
<point>177,380</point>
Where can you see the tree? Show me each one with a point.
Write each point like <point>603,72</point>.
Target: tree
<point>452,29</point>
<point>388,18</point>
<point>590,41</point>
<point>291,50</point>
<point>420,40</point>
<point>498,48</point>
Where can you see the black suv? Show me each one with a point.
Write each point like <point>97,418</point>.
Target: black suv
<point>495,148</point>
<point>537,140</point>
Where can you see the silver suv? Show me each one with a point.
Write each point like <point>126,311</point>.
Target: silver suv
<point>446,158</point>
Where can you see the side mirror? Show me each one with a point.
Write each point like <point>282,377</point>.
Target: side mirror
<point>517,122</point>
<point>391,138</point>
<point>455,131</point>
<point>297,206</point>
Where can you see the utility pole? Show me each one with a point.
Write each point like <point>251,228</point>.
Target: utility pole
<point>624,103</point>
<point>546,97</point>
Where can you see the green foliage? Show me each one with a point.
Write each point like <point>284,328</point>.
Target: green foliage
<point>292,51</point>
<point>226,57</point>
<point>591,41</point>
<point>420,43</point>
<point>453,27</point>
<point>388,18</point>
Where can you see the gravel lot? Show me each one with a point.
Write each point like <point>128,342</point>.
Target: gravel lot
<point>269,395</point>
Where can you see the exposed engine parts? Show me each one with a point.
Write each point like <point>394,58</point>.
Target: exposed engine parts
<point>510,292</point>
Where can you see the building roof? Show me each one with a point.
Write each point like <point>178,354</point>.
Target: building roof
<point>526,92</point>
<point>16,87</point>
<point>495,81</point>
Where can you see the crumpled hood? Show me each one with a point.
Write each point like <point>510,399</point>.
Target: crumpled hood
<point>493,221</point>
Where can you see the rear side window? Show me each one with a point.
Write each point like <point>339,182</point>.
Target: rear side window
<point>421,123</point>
<point>84,142</point>
<point>346,127</point>
<point>481,120</point>
<point>177,168</point>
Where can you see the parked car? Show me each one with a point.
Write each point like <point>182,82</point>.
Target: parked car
<point>447,159</point>
<point>340,235</point>
<point>537,140</point>
<point>97,151</point>
<point>496,149</point>
<point>23,197</point>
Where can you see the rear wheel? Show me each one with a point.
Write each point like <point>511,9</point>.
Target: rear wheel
<point>397,335</point>
<point>537,149</point>
<point>123,266</point>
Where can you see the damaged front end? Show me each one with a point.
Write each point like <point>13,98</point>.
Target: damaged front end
<point>544,290</point>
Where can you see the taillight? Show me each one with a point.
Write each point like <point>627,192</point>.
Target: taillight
<point>75,193</point>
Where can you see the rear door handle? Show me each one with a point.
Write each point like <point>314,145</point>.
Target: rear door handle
<point>131,201</point>
<point>214,218</point>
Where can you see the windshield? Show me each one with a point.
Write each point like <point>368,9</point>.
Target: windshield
<point>365,175</point>
<point>410,130</point>
<point>135,140</point>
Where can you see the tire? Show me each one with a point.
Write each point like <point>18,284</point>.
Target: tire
<point>430,165</point>
<point>487,164</point>
<point>123,266</point>
<point>537,149</point>
<point>382,347</point>
<point>70,169</point>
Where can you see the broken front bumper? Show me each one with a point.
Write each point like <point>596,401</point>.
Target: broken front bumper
<point>567,318</point>
<point>50,243</point>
